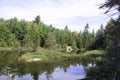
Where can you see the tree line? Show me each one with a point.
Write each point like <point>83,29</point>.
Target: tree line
<point>34,34</point>
<point>21,33</point>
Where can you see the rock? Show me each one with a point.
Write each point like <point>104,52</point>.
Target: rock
<point>34,60</point>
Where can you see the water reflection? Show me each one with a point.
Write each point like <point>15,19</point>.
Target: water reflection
<point>77,68</point>
<point>53,71</point>
<point>107,69</point>
<point>11,69</point>
<point>72,73</point>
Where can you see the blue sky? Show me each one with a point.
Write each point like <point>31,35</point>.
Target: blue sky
<point>59,13</point>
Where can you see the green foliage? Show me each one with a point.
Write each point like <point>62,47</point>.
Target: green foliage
<point>20,31</point>
<point>34,36</point>
<point>110,69</point>
<point>43,30</point>
<point>64,46</point>
<point>37,34</point>
<point>37,19</point>
<point>50,40</point>
<point>113,36</point>
<point>79,41</point>
<point>48,55</point>
<point>87,38</point>
<point>111,4</point>
<point>7,38</point>
<point>111,59</point>
<point>99,42</point>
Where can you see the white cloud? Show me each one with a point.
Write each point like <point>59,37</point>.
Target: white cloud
<point>56,12</point>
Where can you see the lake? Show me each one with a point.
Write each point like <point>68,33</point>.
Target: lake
<point>11,69</point>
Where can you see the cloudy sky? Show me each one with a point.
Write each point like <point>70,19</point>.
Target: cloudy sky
<point>59,13</point>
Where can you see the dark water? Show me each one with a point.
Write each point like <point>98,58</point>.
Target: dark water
<point>11,69</point>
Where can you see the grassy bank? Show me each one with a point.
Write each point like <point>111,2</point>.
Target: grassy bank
<point>50,55</point>
<point>93,55</point>
<point>14,48</point>
<point>5,48</point>
<point>46,55</point>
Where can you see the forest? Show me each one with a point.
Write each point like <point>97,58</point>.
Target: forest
<point>21,33</point>
<point>15,33</point>
<point>36,34</point>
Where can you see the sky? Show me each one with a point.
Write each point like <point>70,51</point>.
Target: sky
<point>73,13</point>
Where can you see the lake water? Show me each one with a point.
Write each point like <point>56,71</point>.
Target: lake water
<point>11,69</point>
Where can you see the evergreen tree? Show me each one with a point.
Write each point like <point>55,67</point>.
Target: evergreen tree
<point>100,39</point>
<point>115,4</point>
<point>86,37</point>
<point>37,19</point>
<point>50,40</point>
<point>80,41</point>
<point>112,36</point>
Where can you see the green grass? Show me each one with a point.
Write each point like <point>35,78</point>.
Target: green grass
<point>47,55</point>
<point>14,48</point>
<point>5,48</point>
<point>97,55</point>
<point>50,55</point>
<point>95,52</point>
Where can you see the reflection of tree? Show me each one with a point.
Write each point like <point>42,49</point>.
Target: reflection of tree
<point>8,63</point>
<point>35,76</point>
<point>108,69</point>
<point>33,68</point>
<point>49,70</point>
<point>48,75</point>
<point>7,58</point>
<point>65,66</point>
<point>10,72</point>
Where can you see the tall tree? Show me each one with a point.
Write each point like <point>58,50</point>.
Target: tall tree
<point>50,40</point>
<point>113,36</point>
<point>37,19</point>
<point>86,36</point>
<point>20,31</point>
<point>43,30</point>
<point>100,39</point>
<point>80,41</point>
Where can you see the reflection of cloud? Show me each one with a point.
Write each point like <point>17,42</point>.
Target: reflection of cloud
<point>72,73</point>
<point>76,70</point>
<point>56,12</point>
